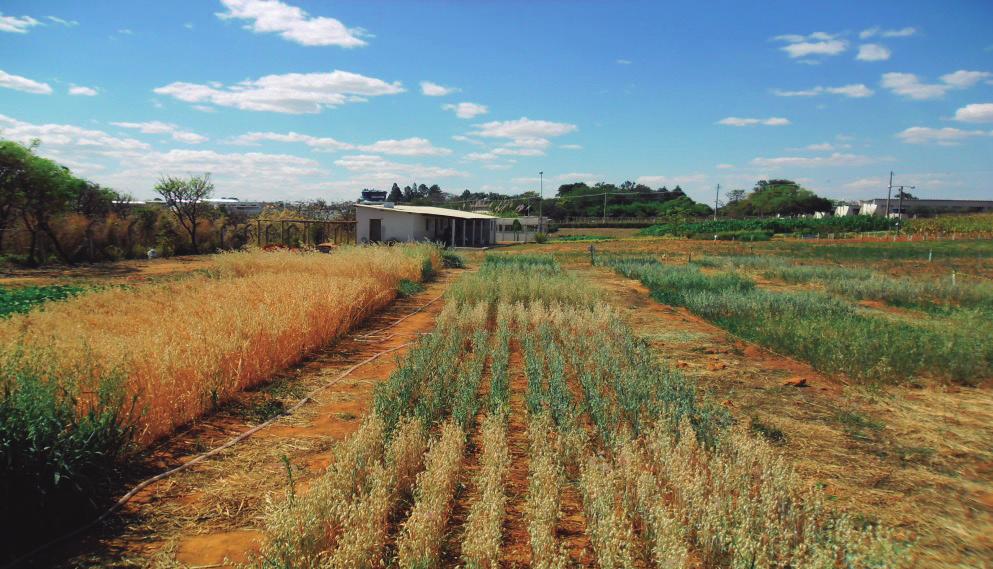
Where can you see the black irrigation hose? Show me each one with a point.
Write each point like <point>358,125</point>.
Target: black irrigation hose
<point>144,484</point>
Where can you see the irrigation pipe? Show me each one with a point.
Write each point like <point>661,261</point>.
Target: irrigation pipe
<point>144,484</point>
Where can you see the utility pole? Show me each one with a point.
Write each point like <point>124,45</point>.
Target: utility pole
<point>605,206</point>
<point>889,190</point>
<point>541,196</point>
<point>717,200</point>
<point>899,215</point>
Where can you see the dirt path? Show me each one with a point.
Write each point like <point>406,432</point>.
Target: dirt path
<point>210,515</point>
<point>918,460</point>
<point>133,270</point>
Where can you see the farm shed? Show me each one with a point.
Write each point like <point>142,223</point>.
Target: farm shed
<point>454,228</point>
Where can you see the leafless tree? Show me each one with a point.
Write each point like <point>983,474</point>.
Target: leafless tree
<point>186,197</point>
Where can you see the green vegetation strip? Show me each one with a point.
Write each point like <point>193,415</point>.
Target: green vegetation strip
<point>755,227</point>
<point>18,300</point>
<point>831,334</point>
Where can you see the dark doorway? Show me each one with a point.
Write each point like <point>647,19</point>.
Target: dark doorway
<point>375,230</point>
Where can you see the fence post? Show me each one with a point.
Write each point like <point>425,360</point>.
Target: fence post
<point>929,253</point>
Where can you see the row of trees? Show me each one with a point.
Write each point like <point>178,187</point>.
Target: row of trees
<point>46,212</point>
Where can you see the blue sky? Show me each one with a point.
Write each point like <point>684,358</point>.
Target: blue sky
<point>302,99</point>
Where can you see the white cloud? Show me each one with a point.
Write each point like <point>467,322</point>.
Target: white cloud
<point>463,138</point>
<point>910,86</point>
<point>863,184</point>
<point>523,128</point>
<point>17,25</point>
<point>825,147</point>
<point>66,136</point>
<point>947,136</point>
<point>725,166</point>
<point>876,31</point>
<point>406,147</point>
<point>481,156</point>
<point>976,112</point>
<point>18,83</point>
<point>738,121</point>
<point>507,151</point>
<point>292,93</point>
<point>855,90</point>
<point>571,146</point>
<point>435,90</point>
<point>873,52</point>
<point>82,91</point>
<point>672,181</point>
<point>188,25</point>
<point>835,159</point>
<point>126,32</point>
<point>378,168</point>
<point>817,43</point>
<point>624,62</point>
<point>66,23</point>
<point>291,23</point>
<point>467,110</point>
<point>158,127</point>
<point>963,79</point>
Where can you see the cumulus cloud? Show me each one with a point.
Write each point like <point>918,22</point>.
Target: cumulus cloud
<point>63,136</point>
<point>571,146</point>
<point>381,169</point>
<point>947,136</point>
<point>725,166</point>
<point>467,110</point>
<point>671,181</point>
<point>976,112</point>
<point>18,83</point>
<point>877,31</point>
<point>63,22</point>
<point>835,159</point>
<point>623,62</point>
<point>79,90</point>
<point>855,90</point>
<point>910,86</point>
<point>158,127</point>
<point>17,25</point>
<point>738,121</point>
<point>817,43</point>
<point>435,90</point>
<point>872,52</point>
<point>523,128</point>
<point>291,23</point>
<point>406,147</point>
<point>293,93</point>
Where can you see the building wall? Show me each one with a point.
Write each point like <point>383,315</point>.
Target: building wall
<point>396,225</point>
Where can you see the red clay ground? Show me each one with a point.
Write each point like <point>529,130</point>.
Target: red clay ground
<point>918,460</point>
<point>209,515</point>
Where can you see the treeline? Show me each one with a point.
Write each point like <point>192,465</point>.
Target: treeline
<point>47,214</point>
<point>749,229</point>
<point>628,199</point>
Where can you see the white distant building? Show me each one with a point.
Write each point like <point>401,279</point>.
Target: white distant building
<point>529,225</point>
<point>377,223</point>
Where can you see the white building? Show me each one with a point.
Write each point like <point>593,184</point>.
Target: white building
<point>529,225</point>
<point>376,223</point>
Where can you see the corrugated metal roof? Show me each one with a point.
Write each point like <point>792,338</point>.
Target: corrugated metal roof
<point>428,210</point>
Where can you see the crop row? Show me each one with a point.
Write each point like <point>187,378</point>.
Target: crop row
<point>664,478</point>
<point>84,379</point>
<point>828,332</point>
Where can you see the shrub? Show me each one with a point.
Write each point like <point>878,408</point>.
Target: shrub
<point>61,442</point>
<point>541,237</point>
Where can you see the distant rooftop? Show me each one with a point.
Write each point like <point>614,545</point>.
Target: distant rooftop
<point>428,210</point>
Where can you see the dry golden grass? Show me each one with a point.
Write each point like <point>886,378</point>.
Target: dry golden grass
<point>185,346</point>
<point>481,543</point>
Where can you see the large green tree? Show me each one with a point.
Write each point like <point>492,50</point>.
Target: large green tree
<point>778,197</point>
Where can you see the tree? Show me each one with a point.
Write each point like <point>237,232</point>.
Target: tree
<point>435,194</point>
<point>186,198</point>
<point>735,196</point>
<point>905,195</point>
<point>779,197</point>
<point>396,196</point>
<point>408,194</point>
